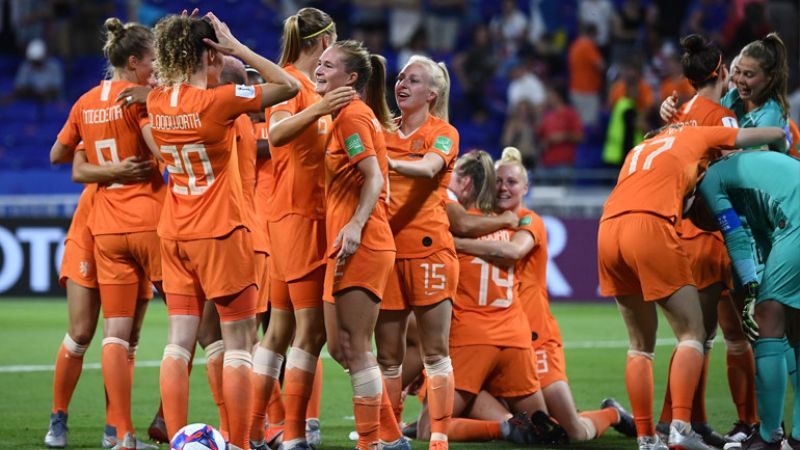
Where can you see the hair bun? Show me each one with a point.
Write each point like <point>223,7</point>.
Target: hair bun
<point>114,26</point>
<point>694,43</point>
<point>511,154</point>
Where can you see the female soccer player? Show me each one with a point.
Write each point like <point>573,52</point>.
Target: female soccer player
<point>422,153</point>
<point>527,251</point>
<point>759,190</point>
<point>298,133</point>
<point>123,217</point>
<point>702,66</point>
<point>361,249</point>
<point>642,263</point>
<point>206,249</point>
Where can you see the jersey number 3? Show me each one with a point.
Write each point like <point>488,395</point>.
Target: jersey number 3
<point>182,164</point>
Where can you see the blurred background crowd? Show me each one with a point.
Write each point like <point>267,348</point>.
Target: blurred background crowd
<point>562,80</point>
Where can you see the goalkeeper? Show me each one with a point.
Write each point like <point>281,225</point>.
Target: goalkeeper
<point>755,198</point>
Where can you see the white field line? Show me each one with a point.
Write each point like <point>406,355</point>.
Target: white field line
<point>325,355</point>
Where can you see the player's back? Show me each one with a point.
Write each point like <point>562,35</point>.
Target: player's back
<point>112,133</point>
<point>659,172</point>
<point>486,309</point>
<point>761,186</point>
<point>416,208</point>
<point>702,112</point>
<point>193,128</point>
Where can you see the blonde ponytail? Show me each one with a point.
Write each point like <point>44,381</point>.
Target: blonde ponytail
<point>479,167</point>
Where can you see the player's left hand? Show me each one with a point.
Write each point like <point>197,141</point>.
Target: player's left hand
<point>749,324</point>
<point>133,94</point>
<point>227,44</point>
<point>348,240</point>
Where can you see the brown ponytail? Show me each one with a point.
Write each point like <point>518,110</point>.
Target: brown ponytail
<point>302,32</point>
<point>770,53</point>
<point>477,165</point>
<point>371,78</point>
<point>125,40</point>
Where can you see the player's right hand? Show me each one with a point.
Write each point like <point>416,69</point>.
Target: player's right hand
<point>135,170</point>
<point>227,43</point>
<point>335,100</point>
<point>669,107</point>
<point>511,219</point>
<point>749,324</point>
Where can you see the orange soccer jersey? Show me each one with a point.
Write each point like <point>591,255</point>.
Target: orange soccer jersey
<point>531,274</point>
<point>79,227</point>
<point>794,132</point>
<point>194,130</point>
<point>487,310</point>
<point>265,182</point>
<point>357,135</point>
<point>416,209</point>
<point>246,156</point>
<point>298,166</point>
<point>658,173</point>
<point>111,134</point>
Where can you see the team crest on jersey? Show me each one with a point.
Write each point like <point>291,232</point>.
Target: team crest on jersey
<point>353,145</point>
<point>83,267</point>
<point>245,91</point>
<point>443,144</point>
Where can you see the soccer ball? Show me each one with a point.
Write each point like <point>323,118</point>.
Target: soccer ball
<point>198,436</point>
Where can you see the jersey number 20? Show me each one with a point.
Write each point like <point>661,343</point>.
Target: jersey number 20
<point>183,164</point>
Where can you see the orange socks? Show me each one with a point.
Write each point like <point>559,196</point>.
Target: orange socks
<point>441,394</point>
<point>297,387</point>
<point>367,399</point>
<point>276,411</point>
<point>69,364</point>
<point>266,371</point>
<point>470,430</point>
<point>639,382</point>
<point>118,383</point>
<point>699,414</point>
<point>683,378</point>
<point>237,391</point>
<point>390,429</point>
<point>215,353</point>
<point>393,383</point>
<point>741,379</point>
<point>602,419</point>
<point>174,382</point>
<point>312,412</point>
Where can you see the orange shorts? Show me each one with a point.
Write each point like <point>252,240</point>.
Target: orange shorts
<point>238,306</point>
<point>262,276</point>
<point>127,258</point>
<point>421,281</point>
<point>367,269</point>
<point>502,371</point>
<point>209,268</point>
<point>302,293</point>
<point>550,362</point>
<point>78,265</point>
<point>641,254</point>
<point>709,259</point>
<point>298,246</point>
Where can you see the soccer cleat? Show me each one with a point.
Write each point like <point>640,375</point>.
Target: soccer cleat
<point>681,437</point>
<point>300,445</point>
<point>158,430</point>
<point>410,430</point>
<point>547,430</point>
<point>518,430</point>
<point>754,442</point>
<point>109,436</point>
<point>56,436</point>
<point>739,432</point>
<point>790,444</point>
<point>274,436</point>
<point>650,443</point>
<point>128,443</point>
<point>710,436</point>
<point>258,445</point>
<point>437,445</point>
<point>400,444</point>
<point>626,425</point>
<point>662,431</point>
<point>313,433</point>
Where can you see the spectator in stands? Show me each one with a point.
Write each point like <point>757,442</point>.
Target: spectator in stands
<point>753,27</point>
<point>442,18</point>
<point>518,131</point>
<point>525,86</point>
<point>627,29</point>
<point>586,69</point>
<point>405,20</point>
<point>631,85</point>
<point>39,77</point>
<point>418,45</point>
<point>474,67</point>
<point>600,13</point>
<point>630,100</point>
<point>675,81</point>
<point>707,17</point>
<point>509,28</point>
<point>559,132</point>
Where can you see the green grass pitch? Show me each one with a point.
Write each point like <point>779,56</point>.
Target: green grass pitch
<point>32,330</point>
